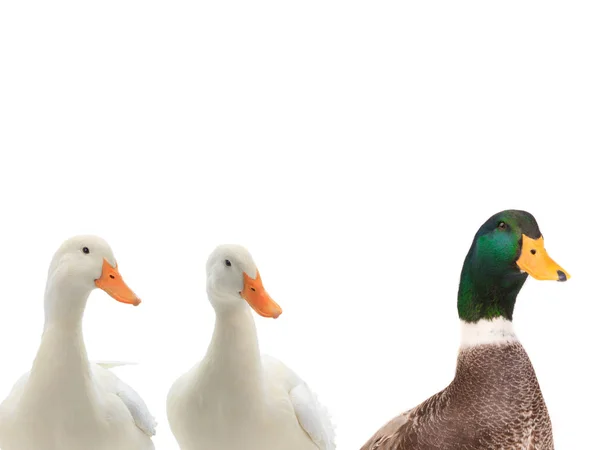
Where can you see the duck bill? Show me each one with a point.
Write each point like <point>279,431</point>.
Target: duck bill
<point>536,262</point>
<point>258,298</point>
<point>112,283</point>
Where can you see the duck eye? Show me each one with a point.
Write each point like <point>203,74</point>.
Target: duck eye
<point>85,250</point>
<point>228,263</point>
<point>502,225</point>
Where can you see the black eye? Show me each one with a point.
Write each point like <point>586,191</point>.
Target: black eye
<point>85,250</point>
<point>228,263</point>
<point>502,226</point>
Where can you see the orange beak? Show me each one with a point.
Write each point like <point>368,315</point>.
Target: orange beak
<point>536,262</point>
<point>112,283</point>
<point>256,296</point>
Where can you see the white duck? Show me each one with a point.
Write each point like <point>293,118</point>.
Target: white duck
<point>233,399</point>
<point>66,403</point>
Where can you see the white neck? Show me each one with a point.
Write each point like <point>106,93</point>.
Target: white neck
<point>64,302</point>
<point>60,375</point>
<point>233,369</point>
<point>496,331</point>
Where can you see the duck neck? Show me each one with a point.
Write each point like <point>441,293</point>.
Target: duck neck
<point>487,295</point>
<point>64,304</point>
<point>235,366</point>
<point>61,369</point>
<point>497,331</point>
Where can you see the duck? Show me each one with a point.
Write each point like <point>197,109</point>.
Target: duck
<point>494,400</point>
<point>66,402</point>
<point>234,398</point>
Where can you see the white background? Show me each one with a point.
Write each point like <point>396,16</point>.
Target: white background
<point>354,147</point>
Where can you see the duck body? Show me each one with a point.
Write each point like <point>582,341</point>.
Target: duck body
<point>236,399</point>
<point>493,402</point>
<point>65,402</point>
<point>59,418</point>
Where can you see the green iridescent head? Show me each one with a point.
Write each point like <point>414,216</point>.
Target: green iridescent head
<point>507,248</point>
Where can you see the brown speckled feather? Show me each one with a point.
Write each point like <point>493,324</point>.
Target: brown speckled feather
<point>494,402</point>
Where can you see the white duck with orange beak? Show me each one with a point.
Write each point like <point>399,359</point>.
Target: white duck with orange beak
<point>65,402</point>
<point>234,399</point>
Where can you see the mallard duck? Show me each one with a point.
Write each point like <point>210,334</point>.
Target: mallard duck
<point>64,402</point>
<point>494,401</point>
<point>234,399</point>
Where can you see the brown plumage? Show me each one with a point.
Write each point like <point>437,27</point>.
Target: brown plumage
<point>494,402</point>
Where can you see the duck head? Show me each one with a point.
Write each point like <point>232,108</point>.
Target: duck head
<point>505,251</point>
<point>80,265</point>
<point>232,281</point>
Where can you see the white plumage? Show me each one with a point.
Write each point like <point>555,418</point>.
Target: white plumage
<point>234,399</point>
<point>65,402</point>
